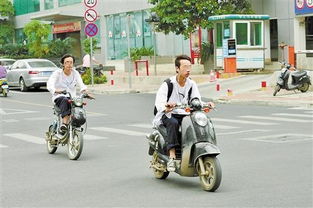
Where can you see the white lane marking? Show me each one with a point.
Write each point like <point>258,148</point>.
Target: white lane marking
<point>281,138</point>
<point>217,126</point>
<point>3,146</point>
<point>277,119</point>
<point>27,138</point>
<point>300,108</point>
<point>142,125</point>
<point>93,137</point>
<point>10,120</point>
<point>37,119</point>
<point>120,131</point>
<point>11,111</point>
<point>244,131</point>
<point>149,126</point>
<point>241,121</point>
<point>293,115</point>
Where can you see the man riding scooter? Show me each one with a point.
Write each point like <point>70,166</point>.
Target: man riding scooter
<point>177,89</point>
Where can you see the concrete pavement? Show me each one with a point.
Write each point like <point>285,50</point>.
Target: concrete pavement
<point>243,88</point>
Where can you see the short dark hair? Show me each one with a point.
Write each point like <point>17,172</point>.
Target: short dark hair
<point>181,57</point>
<point>66,56</point>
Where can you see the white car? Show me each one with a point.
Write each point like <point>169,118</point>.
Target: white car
<point>26,73</point>
<point>6,62</point>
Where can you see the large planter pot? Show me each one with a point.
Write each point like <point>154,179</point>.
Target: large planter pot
<point>208,65</point>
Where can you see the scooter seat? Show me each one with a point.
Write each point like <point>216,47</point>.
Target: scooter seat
<point>299,74</point>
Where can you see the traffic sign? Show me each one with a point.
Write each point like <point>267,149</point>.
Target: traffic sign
<point>91,29</point>
<point>90,3</point>
<point>91,15</point>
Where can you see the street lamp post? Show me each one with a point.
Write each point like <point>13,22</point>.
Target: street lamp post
<point>153,20</point>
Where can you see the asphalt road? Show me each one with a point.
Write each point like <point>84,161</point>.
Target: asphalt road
<point>266,157</point>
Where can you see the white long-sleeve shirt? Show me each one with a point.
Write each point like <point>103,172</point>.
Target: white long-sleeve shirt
<point>179,95</point>
<point>59,80</point>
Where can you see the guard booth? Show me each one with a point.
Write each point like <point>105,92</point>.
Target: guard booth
<point>247,32</point>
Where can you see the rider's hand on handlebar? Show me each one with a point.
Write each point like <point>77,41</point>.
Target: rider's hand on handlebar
<point>169,107</point>
<point>60,91</point>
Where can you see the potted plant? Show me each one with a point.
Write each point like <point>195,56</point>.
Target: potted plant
<point>206,56</point>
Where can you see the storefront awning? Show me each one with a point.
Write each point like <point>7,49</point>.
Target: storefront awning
<point>239,17</point>
<point>55,16</point>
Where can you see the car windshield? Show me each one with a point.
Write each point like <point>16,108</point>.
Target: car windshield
<point>39,64</point>
<point>7,62</point>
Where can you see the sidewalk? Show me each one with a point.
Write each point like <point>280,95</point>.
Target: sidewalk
<point>249,95</point>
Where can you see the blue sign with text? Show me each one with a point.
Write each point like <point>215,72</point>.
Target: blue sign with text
<point>303,7</point>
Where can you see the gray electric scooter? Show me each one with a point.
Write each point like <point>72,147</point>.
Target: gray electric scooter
<point>300,80</point>
<point>197,153</point>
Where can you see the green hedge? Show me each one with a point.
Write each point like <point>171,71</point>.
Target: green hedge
<point>97,79</point>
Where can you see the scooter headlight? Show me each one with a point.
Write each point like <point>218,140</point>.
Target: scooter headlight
<point>78,101</point>
<point>201,119</point>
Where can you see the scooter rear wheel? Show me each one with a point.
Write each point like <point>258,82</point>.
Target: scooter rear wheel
<point>213,173</point>
<point>50,147</point>
<point>276,90</point>
<point>304,87</point>
<point>157,168</point>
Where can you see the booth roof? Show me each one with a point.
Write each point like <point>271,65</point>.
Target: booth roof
<point>239,16</point>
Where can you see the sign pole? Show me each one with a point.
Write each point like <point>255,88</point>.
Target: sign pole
<point>128,47</point>
<point>91,65</point>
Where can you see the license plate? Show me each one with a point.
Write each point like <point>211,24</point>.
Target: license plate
<point>5,86</point>
<point>46,73</point>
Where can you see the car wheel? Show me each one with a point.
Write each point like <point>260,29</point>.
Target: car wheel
<point>23,85</point>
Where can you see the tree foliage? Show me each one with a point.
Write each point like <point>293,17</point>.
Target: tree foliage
<point>6,25</point>
<point>6,8</point>
<point>58,47</point>
<point>37,35</point>
<point>86,43</point>
<point>185,16</point>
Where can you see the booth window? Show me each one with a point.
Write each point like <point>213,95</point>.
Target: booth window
<point>219,34</point>
<point>255,34</point>
<point>242,33</point>
<point>309,35</point>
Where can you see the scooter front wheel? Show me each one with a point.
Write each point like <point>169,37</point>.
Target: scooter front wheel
<point>212,176</point>
<point>276,90</point>
<point>304,87</point>
<point>159,170</point>
<point>75,145</point>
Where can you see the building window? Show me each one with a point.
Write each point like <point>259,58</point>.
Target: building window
<point>49,4</point>
<point>309,34</point>
<point>68,2</point>
<point>242,33</point>
<point>255,34</point>
<point>20,36</point>
<point>26,6</point>
<point>219,34</point>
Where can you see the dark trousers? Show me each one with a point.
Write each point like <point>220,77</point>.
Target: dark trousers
<point>65,107</point>
<point>172,127</point>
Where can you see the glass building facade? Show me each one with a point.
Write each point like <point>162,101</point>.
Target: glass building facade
<point>26,6</point>
<point>140,33</point>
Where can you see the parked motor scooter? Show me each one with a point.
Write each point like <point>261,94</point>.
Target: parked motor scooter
<point>300,80</point>
<point>197,153</point>
<point>4,87</point>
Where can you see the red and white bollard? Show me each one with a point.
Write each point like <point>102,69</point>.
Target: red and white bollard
<point>112,81</point>
<point>218,87</point>
<point>263,85</point>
